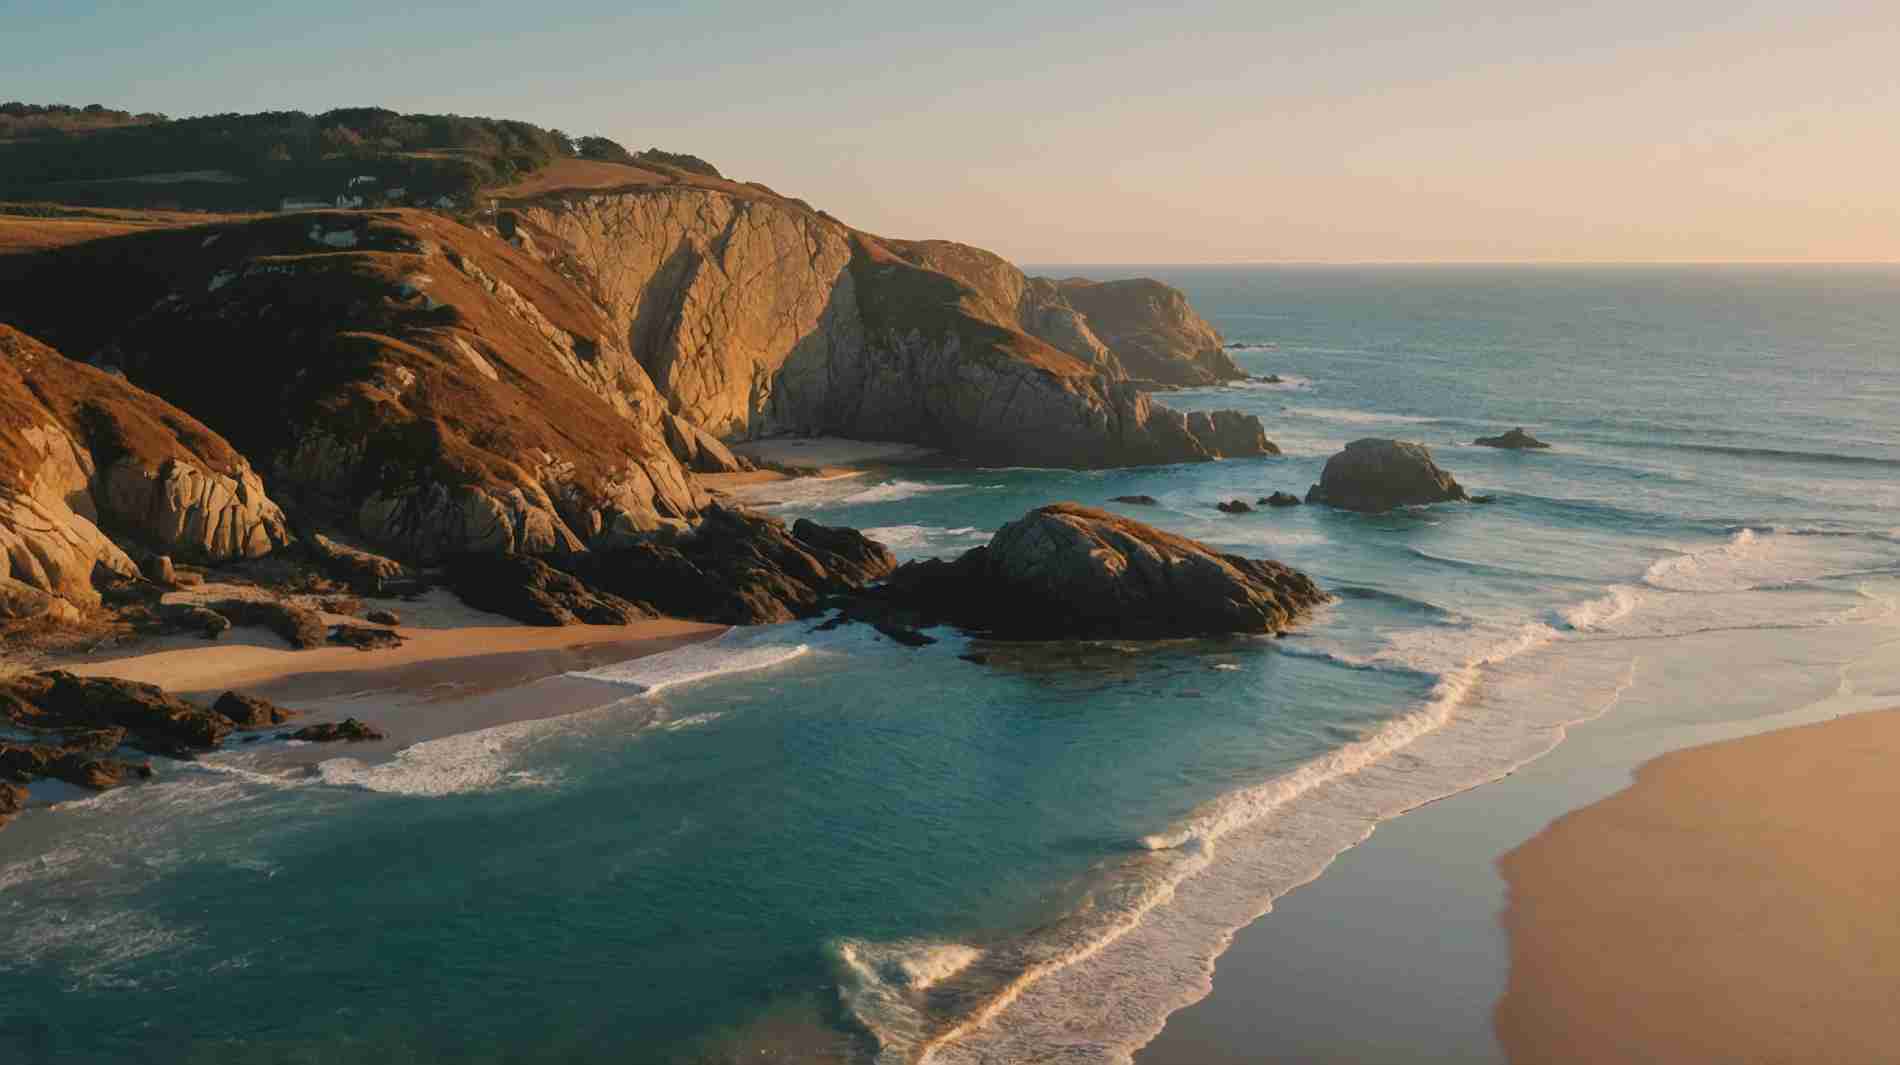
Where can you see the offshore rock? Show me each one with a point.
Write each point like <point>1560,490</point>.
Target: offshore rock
<point>1515,440</point>
<point>1067,571</point>
<point>251,712</point>
<point>1373,476</point>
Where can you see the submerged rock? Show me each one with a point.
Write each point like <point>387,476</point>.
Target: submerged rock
<point>1234,506</point>
<point>1068,571</point>
<point>1280,499</point>
<point>1374,475</point>
<point>1515,440</point>
<point>1137,501</point>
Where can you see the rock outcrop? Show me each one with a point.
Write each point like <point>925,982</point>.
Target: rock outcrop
<point>1373,475</point>
<point>756,316</point>
<point>84,454</point>
<point>1067,571</point>
<point>348,730</point>
<point>150,718</point>
<point>740,568</point>
<point>251,712</point>
<point>535,593</point>
<point>1280,499</point>
<point>1515,440</point>
<point>1151,328</point>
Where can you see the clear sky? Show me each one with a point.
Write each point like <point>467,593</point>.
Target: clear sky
<point>1066,132</point>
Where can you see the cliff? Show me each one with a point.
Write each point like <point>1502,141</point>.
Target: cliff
<point>412,380</point>
<point>545,378</point>
<point>754,315</point>
<point>84,453</point>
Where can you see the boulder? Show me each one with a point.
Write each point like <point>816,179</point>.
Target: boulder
<point>1515,440</point>
<point>365,637</point>
<point>699,450</point>
<point>1137,501</point>
<point>1229,433</point>
<point>349,729</point>
<point>251,712</point>
<point>365,572</point>
<point>1234,506</point>
<point>383,617</point>
<point>1067,571</point>
<point>20,602</point>
<point>534,593</point>
<point>300,626</point>
<point>188,617</point>
<point>1373,475</point>
<point>159,570</point>
<point>1280,499</point>
<point>154,720</point>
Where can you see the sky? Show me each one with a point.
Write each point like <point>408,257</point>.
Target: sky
<point>1063,132</point>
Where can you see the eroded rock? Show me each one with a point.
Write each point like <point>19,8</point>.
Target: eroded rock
<point>1067,571</point>
<point>251,712</point>
<point>1373,475</point>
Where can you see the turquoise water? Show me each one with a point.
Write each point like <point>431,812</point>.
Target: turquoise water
<point>854,851</point>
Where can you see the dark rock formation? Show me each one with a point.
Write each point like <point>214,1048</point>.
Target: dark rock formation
<point>300,626</point>
<point>1374,475</point>
<point>535,593</point>
<point>1068,571</point>
<point>349,729</point>
<point>1234,506</point>
<point>155,721</point>
<point>366,572</point>
<point>383,617</point>
<point>251,712</point>
<point>1281,499</point>
<point>78,764</point>
<point>364,637</point>
<point>740,568</point>
<point>159,570</point>
<point>1515,440</point>
<point>1231,433</point>
<point>186,617</point>
<point>1137,501</point>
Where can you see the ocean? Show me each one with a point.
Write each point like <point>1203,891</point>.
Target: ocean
<point>792,845</point>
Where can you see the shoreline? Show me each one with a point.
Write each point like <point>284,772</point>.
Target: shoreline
<point>1394,952</point>
<point>1733,903</point>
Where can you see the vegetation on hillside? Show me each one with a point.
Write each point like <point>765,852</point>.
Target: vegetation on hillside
<point>234,161</point>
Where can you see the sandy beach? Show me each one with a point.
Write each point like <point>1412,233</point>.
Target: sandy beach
<point>1734,905</point>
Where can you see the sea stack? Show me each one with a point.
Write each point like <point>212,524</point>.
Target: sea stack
<point>1374,475</point>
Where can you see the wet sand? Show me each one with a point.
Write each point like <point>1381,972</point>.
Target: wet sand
<point>1736,904</point>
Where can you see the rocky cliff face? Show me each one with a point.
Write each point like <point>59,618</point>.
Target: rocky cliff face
<point>754,315</point>
<point>83,453</point>
<point>549,385</point>
<point>417,382</point>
